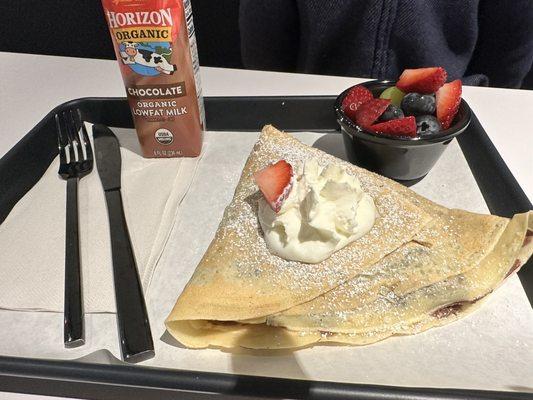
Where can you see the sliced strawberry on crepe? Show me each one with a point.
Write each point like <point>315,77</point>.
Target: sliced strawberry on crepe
<point>447,100</point>
<point>422,80</point>
<point>397,127</point>
<point>355,97</point>
<point>369,112</point>
<point>275,182</point>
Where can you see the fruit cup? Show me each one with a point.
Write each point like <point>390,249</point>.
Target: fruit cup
<point>399,158</point>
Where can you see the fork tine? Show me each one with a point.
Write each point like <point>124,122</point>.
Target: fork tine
<point>76,136</point>
<point>83,135</point>
<point>61,141</point>
<point>73,143</point>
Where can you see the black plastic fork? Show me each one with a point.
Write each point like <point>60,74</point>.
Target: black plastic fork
<point>76,161</point>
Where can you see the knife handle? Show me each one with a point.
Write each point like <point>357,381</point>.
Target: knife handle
<point>134,328</point>
<point>73,334</point>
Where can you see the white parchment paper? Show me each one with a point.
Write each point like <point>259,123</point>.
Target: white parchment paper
<point>491,349</point>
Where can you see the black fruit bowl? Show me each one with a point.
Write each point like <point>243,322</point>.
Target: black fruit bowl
<point>401,159</point>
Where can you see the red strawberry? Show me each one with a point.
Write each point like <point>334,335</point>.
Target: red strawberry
<point>275,182</point>
<point>369,112</point>
<point>355,97</point>
<point>397,127</point>
<point>448,98</point>
<point>422,80</point>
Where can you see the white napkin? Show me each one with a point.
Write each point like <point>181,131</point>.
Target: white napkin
<point>32,238</point>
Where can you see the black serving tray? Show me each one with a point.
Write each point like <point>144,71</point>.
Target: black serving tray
<point>25,163</point>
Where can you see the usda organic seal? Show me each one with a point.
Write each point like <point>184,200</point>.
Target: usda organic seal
<point>164,136</point>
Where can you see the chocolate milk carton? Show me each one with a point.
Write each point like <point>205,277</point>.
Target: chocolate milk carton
<point>155,46</point>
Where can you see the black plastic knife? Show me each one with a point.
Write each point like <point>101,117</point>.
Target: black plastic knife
<point>134,328</point>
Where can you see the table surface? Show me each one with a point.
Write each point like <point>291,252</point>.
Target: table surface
<point>31,85</point>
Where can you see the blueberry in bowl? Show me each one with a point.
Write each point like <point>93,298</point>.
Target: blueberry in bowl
<point>390,113</point>
<point>427,125</point>
<point>399,129</point>
<point>418,104</point>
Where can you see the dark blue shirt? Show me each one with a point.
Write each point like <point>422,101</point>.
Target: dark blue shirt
<point>482,41</point>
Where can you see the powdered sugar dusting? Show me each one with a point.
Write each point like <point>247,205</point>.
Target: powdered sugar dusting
<point>397,221</point>
<point>381,292</point>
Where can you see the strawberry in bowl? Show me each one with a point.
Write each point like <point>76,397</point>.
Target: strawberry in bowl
<point>400,129</point>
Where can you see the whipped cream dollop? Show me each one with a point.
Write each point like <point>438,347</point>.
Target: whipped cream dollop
<point>325,210</point>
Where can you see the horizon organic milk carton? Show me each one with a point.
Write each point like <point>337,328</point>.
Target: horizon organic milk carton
<point>155,46</point>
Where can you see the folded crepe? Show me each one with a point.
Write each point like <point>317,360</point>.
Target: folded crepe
<point>420,266</point>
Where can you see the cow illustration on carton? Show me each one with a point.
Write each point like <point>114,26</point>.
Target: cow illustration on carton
<point>133,54</point>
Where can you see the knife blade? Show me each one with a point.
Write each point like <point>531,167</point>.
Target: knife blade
<point>109,161</point>
<point>132,318</point>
